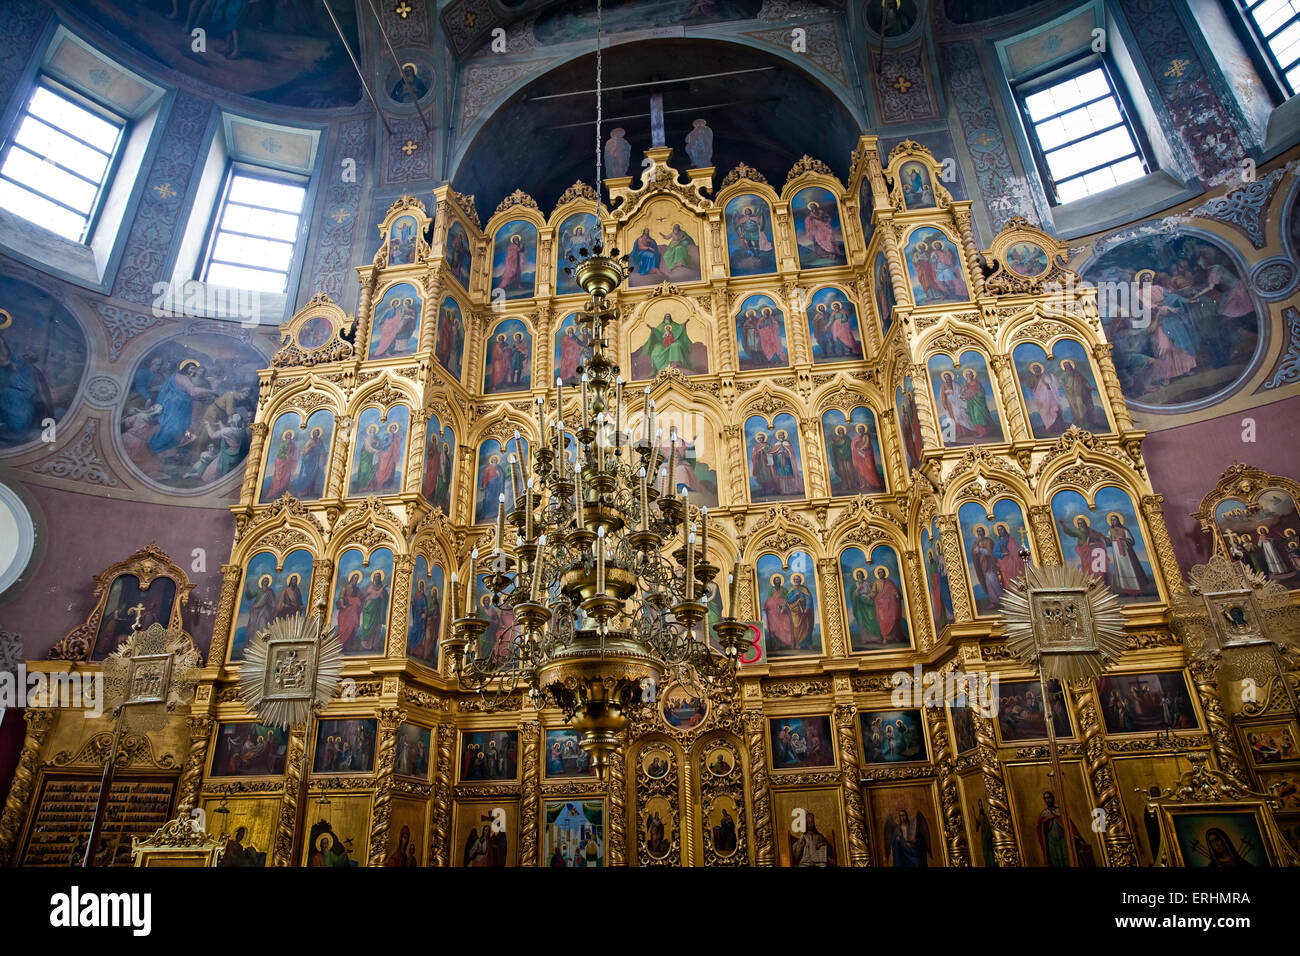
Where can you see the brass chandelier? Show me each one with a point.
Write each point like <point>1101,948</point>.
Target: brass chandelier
<point>602,596</point>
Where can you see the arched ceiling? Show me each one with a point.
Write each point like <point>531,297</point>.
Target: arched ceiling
<point>765,112</point>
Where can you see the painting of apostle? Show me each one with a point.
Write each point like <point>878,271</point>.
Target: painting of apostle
<point>439,453</point>
<point>914,177</point>
<point>494,477</point>
<point>497,642</point>
<point>817,230</point>
<point>458,254</point>
<point>361,596</point>
<point>760,328</point>
<point>657,256</point>
<point>833,325</point>
<point>1021,715</point>
<point>936,577</point>
<point>671,343</point>
<point>963,398</point>
<point>1145,703</point>
<point>886,297</point>
<point>489,755</point>
<point>249,750</point>
<point>424,629</point>
<point>401,241</point>
<point>873,594</point>
<point>345,746</point>
<point>775,466</point>
<point>509,358</point>
<point>853,452</point>
<point>799,742</point>
<point>449,347</point>
<point>935,267</point>
<point>690,471</point>
<point>1060,391</point>
<point>396,329</point>
<point>909,423</point>
<point>577,232</point>
<point>379,464</point>
<point>296,459</point>
<point>1106,541</point>
<point>514,260</point>
<point>993,555</point>
<point>750,249</point>
<point>572,350</point>
<point>892,736</point>
<point>268,593</point>
<point>788,605</point>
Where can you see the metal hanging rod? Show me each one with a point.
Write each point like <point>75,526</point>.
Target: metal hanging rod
<point>633,86</point>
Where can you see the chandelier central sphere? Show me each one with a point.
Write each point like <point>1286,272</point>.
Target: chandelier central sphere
<point>601,598</point>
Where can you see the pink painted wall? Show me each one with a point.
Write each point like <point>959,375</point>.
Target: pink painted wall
<point>86,534</point>
<point>1185,463</point>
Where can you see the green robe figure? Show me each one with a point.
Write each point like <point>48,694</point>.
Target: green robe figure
<point>678,253</point>
<point>864,608</point>
<point>669,344</point>
<point>373,611</point>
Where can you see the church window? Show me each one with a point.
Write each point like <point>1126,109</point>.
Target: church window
<point>255,229</point>
<point>1275,27</point>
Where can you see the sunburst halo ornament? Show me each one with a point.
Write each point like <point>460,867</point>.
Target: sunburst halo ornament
<point>151,674</point>
<point>290,670</point>
<point>1062,621</point>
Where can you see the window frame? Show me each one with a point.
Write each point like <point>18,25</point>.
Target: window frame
<point>239,168</point>
<point>1256,43</point>
<point>1033,83</point>
<point>78,99</point>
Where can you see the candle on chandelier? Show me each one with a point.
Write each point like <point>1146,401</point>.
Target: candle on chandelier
<point>663,482</point>
<point>733,579</point>
<point>541,419</point>
<point>618,412</point>
<point>645,500</point>
<point>516,479</point>
<point>600,441</point>
<point>528,510</point>
<point>523,453</point>
<point>585,421</point>
<point>704,532</point>
<point>577,480</point>
<point>537,569</point>
<point>559,398</point>
<point>672,460</point>
<point>600,560</point>
<point>690,561</point>
<point>455,598</point>
<point>501,523</point>
<point>470,608</point>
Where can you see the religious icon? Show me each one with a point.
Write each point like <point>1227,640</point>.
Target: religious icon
<point>886,298</point>
<point>249,750</point>
<point>411,757</point>
<point>935,267</point>
<point>494,478</point>
<point>909,423</point>
<point>1022,716</point>
<point>963,726</point>
<point>405,830</point>
<point>270,593</point>
<point>662,249</point>
<point>489,755</point>
<point>125,596</point>
<point>813,827</point>
<point>449,348</point>
<point>402,241</point>
<point>683,707</point>
<point>760,328</point>
<point>564,756</point>
<point>833,325</point>
<point>799,742</point>
<point>508,367</point>
<point>690,471</point>
<point>1060,391</point>
<point>379,464</point>
<point>1264,535</point>
<point>1146,702</point>
<point>1027,259</point>
<point>396,328</point>
<point>670,342</point>
<point>345,746</point>
<point>722,825</point>
<point>424,629</point>
<point>657,835</point>
<point>1222,840</point>
<point>775,465</point>
<point>361,596</point>
<point>992,549</point>
<point>514,260</point>
<point>914,178</point>
<point>892,736</point>
<point>853,452</point>
<point>873,594</point>
<point>788,605</point>
<point>963,398</point>
<point>656,762</point>
<point>42,362</point>
<point>458,254</point>
<point>439,454</point>
<point>573,833</point>
<point>296,456</point>
<point>720,760</point>
<point>1110,548</point>
<point>936,577</point>
<point>817,230</point>
<point>1272,742</point>
<point>331,844</point>
<point>750,249</point>
<point>315,333</point>
<point>572,350</point>
<point>576,233</point>
<point>486,833</point>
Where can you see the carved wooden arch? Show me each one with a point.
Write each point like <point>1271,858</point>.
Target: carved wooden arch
<point>1005,281</point>
<point>810,171</point>
<point>291,353</point>
<point>515,207</point>
<point>577,198</point>
<point>767,402</point>
<point>865,524</point>
<point>287,525</point>
<point>404,206</point>
<point>779,531</point>
<point>953,337</point>
<point>383,393</point>
<point>368,523</point>
<point>147,565</point>
<point>746,185</point>
<point>847,393</point>
<point>979,475</point>
<point>910,151</point>
<point>1037,324</point>
<point>1081,456</point>
<point>1244,482</point>
<point>502,423</point>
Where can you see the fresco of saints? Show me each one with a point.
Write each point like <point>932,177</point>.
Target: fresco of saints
<point>984,565</point>
<point>819,227</point>
<point>512,277</point>
<point>1127,574</point>
<point>1081,396</point>
<point>678,254</point>
<point>1090,547</point>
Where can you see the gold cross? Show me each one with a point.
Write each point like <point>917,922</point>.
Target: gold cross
<point>403,10</point>
<point>137,611</point>
<point>902,84</point>
<point>340,216</point>
<point>165,191</point>
<point>470,18</point>
<point>410,146</point>
<point>1177,67</point>
<point>985,140</point>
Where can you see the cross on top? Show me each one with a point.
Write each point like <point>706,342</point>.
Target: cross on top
<point>138,610</point>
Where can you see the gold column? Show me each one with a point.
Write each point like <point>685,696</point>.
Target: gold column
<point>432,309</point>
<point>1120,848</point>
<point>616,839</point>
<point>1043,523</point>
<point>390,718</point>
<point>334,487</point>
<point>1005,850</point>
<point>1104,354</point>
<point>195,759</point>
<point>685,794</point>
<point>814,466</point>
<point>954,830</point>
<point>253,463</point>
<point>764,838</point>
<point>231,575</point>
<point>1015,415</point>
<point>929,421</point>
<point>440,823</point>
<point>402,565</point>
<point>897,473</point>
<point>954,559</point>
<point>414,482</point>
<point>918,596</point>
<point>322,577</point>
<point>846,718</point>
<point>531,795</point>
<point>897,268</point>
<point>39,723</point>
<point>971,252</point>
<point>296,764</point>
<point>1159,542</point>
<point>1225,746</point>
<point>828,570</point>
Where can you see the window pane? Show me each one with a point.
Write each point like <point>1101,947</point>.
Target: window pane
<point>49,180</point>
<point>1041,104</point>
<point>1128,170</point>
<point>1072,190</point>
<point>1284,45</point>
<point>237,278</point>
<point>261,192</point>
<point>65,114</point>
<point>1092,85</point>
<point>1075,158</point>
<point>245,250</point>
<point>1053,133</point>
<point>260,222</point>
<point>1271,15</point>
<point>63,149</point>
<point>41,211</point>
